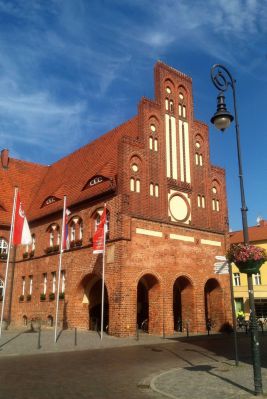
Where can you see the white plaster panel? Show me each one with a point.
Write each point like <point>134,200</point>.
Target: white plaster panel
<point>211,242</point>
<point>167,134</point>
<point>182,238</point>
<point>148,232</point>
<point>174,149</point>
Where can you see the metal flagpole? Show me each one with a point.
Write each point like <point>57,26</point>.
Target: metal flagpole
<point>8,256</point>
<point>103,278</point>
<point>59,265</point>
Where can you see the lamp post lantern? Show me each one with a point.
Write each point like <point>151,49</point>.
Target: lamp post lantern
<point>222,119</point>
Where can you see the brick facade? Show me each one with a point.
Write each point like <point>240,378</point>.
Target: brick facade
<point>168,221</point>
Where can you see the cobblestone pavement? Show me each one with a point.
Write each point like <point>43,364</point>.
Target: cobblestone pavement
<point>32,366</point>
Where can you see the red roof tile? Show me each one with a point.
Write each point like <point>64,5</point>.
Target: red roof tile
<point>67,176</point>
<point>256,233</point>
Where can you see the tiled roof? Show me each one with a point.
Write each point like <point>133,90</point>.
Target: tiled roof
<point>256,233</point>
<point>67,176</point>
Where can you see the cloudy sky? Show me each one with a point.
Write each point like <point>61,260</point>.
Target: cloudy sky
<point>70,70</point>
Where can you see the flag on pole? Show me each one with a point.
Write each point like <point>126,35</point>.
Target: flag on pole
<point>22,234</point>
<point>65,242</point>
<point>100,235</point>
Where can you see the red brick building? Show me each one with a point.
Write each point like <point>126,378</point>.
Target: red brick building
<point>167,221</point>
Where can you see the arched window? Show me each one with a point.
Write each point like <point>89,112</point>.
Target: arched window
<point>54,235</point>
<point>215,197</point>
<point>3,246</point>
<point>76,231</point>
<point>182,111</point>
<point>97,218</point>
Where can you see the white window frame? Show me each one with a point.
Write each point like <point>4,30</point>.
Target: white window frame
<point>1,287</point>
<point>63,280</point>
<point>3,246</point>
<point>257,279</point>
<point>54,281</point>
<point>23,285</point>
<point>31,283</point>
<point>236,279</point>
<point>44,283</point>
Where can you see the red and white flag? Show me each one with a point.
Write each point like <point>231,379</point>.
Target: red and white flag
<point>100,234</point>
<point>22,234</point>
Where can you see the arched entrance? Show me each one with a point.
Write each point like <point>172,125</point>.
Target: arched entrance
<point>148,304</point>
<point>183,304</point>
<point>214,303</point>
<point>93,296</point>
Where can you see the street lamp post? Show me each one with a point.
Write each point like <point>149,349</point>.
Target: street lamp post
<point>222,119</point>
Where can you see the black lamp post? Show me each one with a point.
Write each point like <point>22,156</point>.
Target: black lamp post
<point>222,119</point>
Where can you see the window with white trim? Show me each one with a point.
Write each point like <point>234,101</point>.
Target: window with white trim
<point>257,278</point>
<point>54,280</point>
<point>54,235</point>
<point>44,283</point>
<point>3,246</point>
<point>30,285</point>
<point>63,280</point>
<point>236,279</point>
<point>154,190</point>
<point>135,185</point>
<point>201,201</point>
<point>76,228</point>
<point>23,285</point>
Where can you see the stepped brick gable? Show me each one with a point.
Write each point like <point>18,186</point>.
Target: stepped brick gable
<point>167,220</point>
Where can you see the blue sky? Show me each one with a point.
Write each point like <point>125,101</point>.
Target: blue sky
<point>70,70</point>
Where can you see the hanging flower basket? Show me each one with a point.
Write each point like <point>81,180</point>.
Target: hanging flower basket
<point>248,258</point>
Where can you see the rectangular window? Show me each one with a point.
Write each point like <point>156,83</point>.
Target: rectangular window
<point>156,145</point>
<point>54,278</point>
<point>63,280</point>
<point>23,285</point>
<point>151,189</point>
<point>156,190</point>
<point>45,283</point>
<point>236,279</point>
<point>72,232</point>
<point>257,279</point>
<point>31,282</point>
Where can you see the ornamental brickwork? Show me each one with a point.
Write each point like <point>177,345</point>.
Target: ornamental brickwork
<point>167,221</point>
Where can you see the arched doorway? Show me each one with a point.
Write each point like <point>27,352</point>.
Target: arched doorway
<point>214,303</point>
<point>148,304</point>
<point>183,304</point>
<point>93,296</point>
<point>95,302</point>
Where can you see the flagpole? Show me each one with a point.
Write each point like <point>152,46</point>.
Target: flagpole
<point>8,256</point>
<point>103,280</point>
<point>59,265</point>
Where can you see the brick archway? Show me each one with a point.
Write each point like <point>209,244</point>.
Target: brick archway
<point>148,303</point>
<point>183,304</point>
<point>214,308</point>
<point>92,295</point>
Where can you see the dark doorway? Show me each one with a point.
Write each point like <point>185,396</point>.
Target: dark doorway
<point>95,307</point>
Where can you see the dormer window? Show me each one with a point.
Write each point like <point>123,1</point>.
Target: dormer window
<point>94,181</point>
<point>50,200</point>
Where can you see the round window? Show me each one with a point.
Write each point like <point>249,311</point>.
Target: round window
<point>134,168</point>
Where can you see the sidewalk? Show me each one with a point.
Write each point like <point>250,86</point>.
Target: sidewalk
<point>220,380</point>
<point>24,342</point>
<point>212,377</point>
